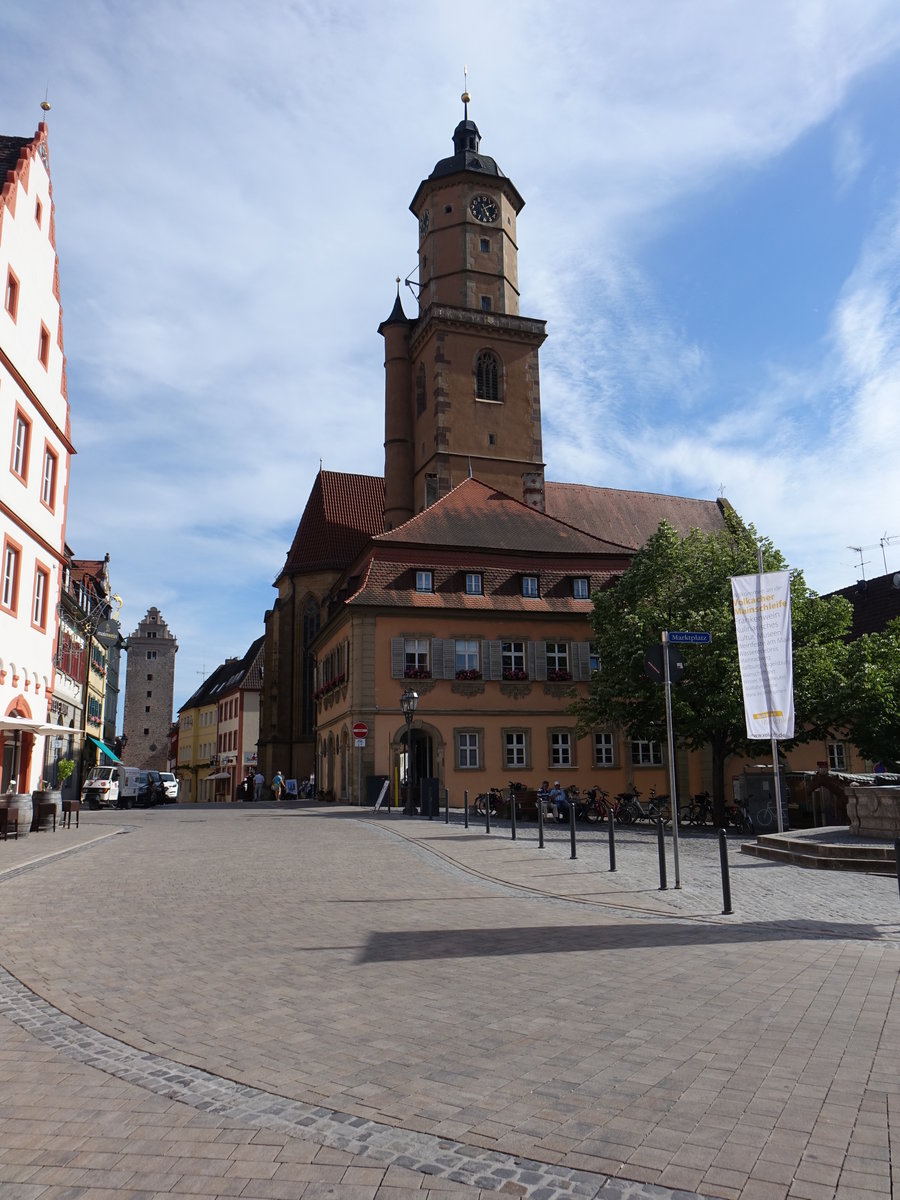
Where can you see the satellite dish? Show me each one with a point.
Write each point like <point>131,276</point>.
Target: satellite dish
<point>896,582</point>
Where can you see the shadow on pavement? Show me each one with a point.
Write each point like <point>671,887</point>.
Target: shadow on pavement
<point>407,946</point>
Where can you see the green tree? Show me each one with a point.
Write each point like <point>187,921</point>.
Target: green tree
<point>872,696</point>
<point>685,583</point>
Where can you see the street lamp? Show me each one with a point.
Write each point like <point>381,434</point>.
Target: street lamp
<point>409,702</point>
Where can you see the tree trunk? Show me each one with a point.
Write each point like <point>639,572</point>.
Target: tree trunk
<point>719,755</point>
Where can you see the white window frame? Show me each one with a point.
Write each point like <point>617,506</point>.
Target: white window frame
<point>416,654</point>
<point>468,750</point>
<point>531,587</point>
<point>466,654</point>
<point>581,587</point>
<point>604,749</point>
<point>41,591</point>
<point>837,756</point>
<point>424,581</point>
<point>515,749</point>
<point>557,656</point>
<point>513,655</point>
<point>21,438</point>
<point>11,562</point>
<point>48,478</point>
<point>474,583</point>
<point>561,748</point>
<point>646,752</point>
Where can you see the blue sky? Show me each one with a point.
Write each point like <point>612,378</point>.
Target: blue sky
<point>711,230</point>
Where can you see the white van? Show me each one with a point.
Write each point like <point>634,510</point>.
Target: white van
<point>101,788</point>
<point>129,781</point>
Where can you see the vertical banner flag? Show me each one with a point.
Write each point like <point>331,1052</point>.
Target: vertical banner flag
<point>762,614</point>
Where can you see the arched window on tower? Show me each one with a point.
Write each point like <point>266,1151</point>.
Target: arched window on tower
<point>488,376</point>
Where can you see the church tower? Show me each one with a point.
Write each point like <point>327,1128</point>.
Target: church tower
<point>462,380</point>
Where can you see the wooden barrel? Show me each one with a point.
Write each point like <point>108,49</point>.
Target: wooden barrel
<point>41,818</point>
<point>21,802</point>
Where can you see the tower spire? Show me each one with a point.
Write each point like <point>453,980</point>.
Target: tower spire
<point>465,97</point>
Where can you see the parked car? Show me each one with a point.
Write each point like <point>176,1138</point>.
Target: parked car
<point>170,787</point>
<point>150,789</point>
<point>101,788</point>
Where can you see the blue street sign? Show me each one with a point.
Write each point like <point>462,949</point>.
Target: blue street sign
<point>691,639</point>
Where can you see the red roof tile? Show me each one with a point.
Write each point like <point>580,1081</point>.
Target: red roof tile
<point>342,514</point>
<point>392,584</point>
<point>477,516</point>
<point>628,518</point>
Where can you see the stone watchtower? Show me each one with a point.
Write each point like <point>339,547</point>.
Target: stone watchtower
<point>149,691</point>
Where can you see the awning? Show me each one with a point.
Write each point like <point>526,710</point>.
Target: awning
<point>19,724</point>
<point>106,750</point>
<point>218,775</point>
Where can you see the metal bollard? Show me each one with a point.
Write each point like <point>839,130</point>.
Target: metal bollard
<point>466,808</point>
<point>726,882</point>
<point>446,806</point>
<point>897,859</point>
<point>487,813</point>
<point>512,812</point>
<point>661,846</point>
<point>572,827</point>
<point>612,842</point>
<point>540,823</point>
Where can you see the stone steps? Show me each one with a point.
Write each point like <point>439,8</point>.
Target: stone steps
<point>824,856</point>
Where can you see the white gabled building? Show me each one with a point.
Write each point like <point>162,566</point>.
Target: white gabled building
<point>35,447</point>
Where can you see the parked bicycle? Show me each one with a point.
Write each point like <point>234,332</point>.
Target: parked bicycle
<point>597,806</point>
<point>630,809</point>
<point>698,812</point>
<point>493,797</point>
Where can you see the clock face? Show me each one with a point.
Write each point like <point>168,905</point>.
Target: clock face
<point>424,222</point>
<point>484,209</point>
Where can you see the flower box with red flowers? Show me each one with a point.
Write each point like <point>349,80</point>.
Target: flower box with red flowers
<point>559,676</point>
<point>473,674</point>
<point>417,673</point>
<point>514,674</point>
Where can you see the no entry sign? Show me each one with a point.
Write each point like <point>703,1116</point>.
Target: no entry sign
<point>360,730</point>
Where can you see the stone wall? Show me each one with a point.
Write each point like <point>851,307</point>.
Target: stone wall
<point>874,811</point>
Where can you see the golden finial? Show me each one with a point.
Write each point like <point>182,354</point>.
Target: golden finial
<point>45,103</point>
<point>465,97</point>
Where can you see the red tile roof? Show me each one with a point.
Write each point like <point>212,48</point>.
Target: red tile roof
<point>342,514</point>
<point>628,518</point>
<point>476,516</point>
<point>391,584</point>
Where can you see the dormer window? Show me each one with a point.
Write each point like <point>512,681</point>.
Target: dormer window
<point>530,588</point>
<point>474,584</point>
<point>424,581</point>
<point>581,589</point>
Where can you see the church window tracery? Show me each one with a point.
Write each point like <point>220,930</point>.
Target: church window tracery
<point>488,376</point>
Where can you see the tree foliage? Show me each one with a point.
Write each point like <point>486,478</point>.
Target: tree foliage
<point>872,699</point>
<point>679,583</point>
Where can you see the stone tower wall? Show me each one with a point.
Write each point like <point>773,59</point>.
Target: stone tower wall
<point>149,693</point>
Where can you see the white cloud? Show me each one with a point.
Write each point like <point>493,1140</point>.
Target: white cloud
<point>232,182</point>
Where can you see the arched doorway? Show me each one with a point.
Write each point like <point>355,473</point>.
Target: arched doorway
<point>427,758</point>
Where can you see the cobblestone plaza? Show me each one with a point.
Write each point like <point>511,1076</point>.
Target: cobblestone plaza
<point>305,1001</point>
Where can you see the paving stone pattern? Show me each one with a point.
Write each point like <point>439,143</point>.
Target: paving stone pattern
<point>417,997</point>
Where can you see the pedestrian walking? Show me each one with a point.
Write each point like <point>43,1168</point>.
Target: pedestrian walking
<point>278,785</point>
<point>259,782</point>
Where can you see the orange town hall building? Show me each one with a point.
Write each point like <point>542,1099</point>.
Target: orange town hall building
<point>463,573</point>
